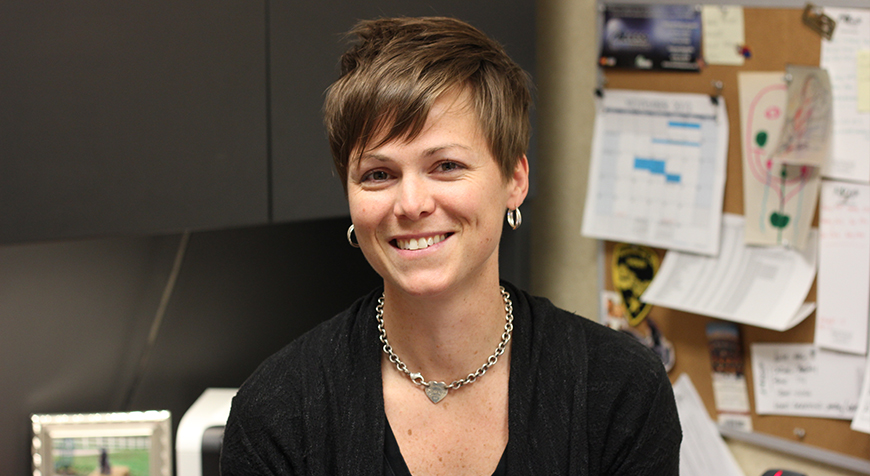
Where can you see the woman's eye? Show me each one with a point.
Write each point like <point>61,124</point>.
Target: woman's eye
<point>376,176</point>
<point>448,166</point>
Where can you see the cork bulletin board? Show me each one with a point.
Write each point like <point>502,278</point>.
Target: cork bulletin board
<point>776,37</point>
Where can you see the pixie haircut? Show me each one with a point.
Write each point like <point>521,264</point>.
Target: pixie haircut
<point>400,66</point>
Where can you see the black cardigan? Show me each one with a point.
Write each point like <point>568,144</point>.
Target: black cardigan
<point>583,400</point>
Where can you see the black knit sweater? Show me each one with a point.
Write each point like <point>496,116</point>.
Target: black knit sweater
<point>584,400</point>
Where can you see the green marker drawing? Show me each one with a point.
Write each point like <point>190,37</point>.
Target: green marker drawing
<point>780,220</point>
<point>761,140</point>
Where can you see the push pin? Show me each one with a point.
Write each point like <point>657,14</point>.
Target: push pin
<point>744,51</point>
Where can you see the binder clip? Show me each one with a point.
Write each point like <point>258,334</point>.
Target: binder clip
<point>820,23</point>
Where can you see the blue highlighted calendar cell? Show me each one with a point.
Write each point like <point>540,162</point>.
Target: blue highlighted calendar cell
<point>686,143</point>
<point>688,125</point>
<point>653,165</point>
<point>656,167</point>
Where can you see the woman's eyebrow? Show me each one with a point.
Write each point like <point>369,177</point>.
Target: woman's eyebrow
<point>426,152</point>
<point>436,149</point>
<point>375,156</point>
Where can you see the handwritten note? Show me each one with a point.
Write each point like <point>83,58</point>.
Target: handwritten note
<point>803,380</point>
<point>850,157</point>
<point>843,291</point>
<point>723,34</point>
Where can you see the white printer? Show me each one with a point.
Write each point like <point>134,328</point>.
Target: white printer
<point>201,431</point>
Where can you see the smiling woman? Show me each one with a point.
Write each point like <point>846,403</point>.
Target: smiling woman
<point>429,126</point>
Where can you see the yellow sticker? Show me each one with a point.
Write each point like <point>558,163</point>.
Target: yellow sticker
<point>633,269</point>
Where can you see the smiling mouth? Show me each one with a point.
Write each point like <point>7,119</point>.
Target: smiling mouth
<point>419,243</point>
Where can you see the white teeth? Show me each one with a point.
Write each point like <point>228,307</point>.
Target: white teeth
<point>419,244</point>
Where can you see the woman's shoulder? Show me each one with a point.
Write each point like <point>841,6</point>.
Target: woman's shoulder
<point>621,376</point>
<point>596,342</point>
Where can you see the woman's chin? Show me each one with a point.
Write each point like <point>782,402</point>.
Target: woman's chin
<point>420,286</point>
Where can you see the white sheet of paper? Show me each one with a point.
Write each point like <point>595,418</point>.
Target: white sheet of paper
<point>843,288</point>
<point>861,422</point>
<point>850,159</point>
<point>803,380</point>
<point>759,286</point>
<point>722,27</point>
<point>657,175</point>
<point>703,450</point>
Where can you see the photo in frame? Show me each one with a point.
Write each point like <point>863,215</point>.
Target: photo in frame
<point>93,444</point>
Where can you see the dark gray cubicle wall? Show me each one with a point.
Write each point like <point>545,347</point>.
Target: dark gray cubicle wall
<point>131,117</point>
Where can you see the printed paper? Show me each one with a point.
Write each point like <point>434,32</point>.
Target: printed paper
<point>703,450</point>
<point>843,57</point>
<point>759,286</point>
<point>651,37</point>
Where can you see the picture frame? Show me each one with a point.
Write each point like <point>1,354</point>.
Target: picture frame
<point>93,444</point>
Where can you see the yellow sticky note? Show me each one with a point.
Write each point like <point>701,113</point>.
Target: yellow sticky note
<point>863,79</point>
<point>723,34</point>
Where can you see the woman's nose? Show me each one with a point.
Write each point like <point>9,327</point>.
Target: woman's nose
<point>415,199</point>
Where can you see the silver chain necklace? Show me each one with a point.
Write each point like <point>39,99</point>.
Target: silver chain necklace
<point>436,391</point>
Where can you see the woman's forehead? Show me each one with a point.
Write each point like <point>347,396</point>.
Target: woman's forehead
<point>454,104</point>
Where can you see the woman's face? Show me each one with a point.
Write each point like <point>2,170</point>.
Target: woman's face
<point>428,213</point>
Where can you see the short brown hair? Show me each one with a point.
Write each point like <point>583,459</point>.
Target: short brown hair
<point>398,68</point>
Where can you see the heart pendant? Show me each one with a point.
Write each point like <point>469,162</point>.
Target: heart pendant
<point>436,391</point>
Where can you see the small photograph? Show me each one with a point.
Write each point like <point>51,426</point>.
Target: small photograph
<point>91,456</point>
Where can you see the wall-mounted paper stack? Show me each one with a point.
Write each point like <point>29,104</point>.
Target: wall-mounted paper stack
<point>759,286</point>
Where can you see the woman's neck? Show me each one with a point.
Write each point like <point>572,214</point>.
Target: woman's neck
<point>448,336</point>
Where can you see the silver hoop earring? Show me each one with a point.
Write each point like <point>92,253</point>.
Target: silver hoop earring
<point>349,238</point>
<point>514,218</point>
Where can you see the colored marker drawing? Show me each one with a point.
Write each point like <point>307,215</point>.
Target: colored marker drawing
<point>779,198</point>
<point>805,139</point>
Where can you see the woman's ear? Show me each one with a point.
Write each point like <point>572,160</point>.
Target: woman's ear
<point>519,184</point>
